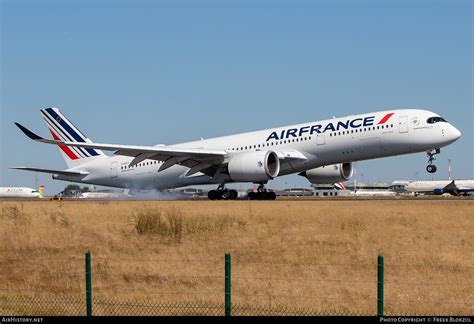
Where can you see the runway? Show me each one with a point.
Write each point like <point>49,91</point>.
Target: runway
<point>451,199</point>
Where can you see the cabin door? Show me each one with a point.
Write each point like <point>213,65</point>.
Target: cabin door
<point>113,169</point>
<point>320,139</point>
<point>403,124</point>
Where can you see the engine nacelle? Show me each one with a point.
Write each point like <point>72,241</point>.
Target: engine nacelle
<point>329,173</point>
<point>258,166</point>
<point>438,191</point>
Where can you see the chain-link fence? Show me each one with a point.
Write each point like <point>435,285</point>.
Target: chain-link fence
<point>18,305</point>
<point>75,306</point>
<point>357,290</point>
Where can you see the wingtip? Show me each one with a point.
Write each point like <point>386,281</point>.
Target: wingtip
<point>27,132</point>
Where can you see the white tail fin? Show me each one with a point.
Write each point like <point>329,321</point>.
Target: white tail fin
<point>339,186</point>
<point>62,129</point>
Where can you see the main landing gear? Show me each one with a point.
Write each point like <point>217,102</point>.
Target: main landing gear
<point>262,194</point>
<point>222,194</point>
<point>431,168</point>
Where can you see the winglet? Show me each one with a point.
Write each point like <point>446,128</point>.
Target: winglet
<point>34,136</point>
<point>28,133</point>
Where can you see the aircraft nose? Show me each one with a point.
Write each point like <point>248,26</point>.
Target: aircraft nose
<point>456,133</point>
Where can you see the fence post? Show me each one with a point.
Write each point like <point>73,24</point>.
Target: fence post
<point>88,284</point>
<point>228,304</point>
<point>380,286</point>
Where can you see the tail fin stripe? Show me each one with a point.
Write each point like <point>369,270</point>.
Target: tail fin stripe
<point>54,121</point>
<point>58,137</point>
<point>69,130</point>
<point>64,148</point>
<point>62,135</point>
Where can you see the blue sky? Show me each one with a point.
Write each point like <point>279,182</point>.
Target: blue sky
<point>148,72</point>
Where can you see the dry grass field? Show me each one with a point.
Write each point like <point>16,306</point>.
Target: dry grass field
<point>320,255</point>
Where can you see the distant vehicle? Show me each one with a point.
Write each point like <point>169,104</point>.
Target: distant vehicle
<point>321,151</point>
<point>454,187</point>
<point>19,192</point>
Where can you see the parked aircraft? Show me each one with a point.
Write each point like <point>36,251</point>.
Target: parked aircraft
<point>19,192</point>
<point>364,192</point>
<point>454,187</point>
<point>321,151</point>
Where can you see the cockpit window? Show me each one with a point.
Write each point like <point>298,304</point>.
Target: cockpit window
<point>433,120</point>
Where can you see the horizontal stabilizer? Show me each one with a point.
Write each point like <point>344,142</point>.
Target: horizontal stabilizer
<point>67,173</point>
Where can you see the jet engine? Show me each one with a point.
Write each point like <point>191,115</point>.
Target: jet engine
<point>329,173</point>
<point>438,191</point>
<point>258,166</point>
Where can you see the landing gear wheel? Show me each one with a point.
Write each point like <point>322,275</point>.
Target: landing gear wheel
<point>222,194</point>
<point>252,195</point>
<point>233,194</point>
<point>261,194</point>
<point>225,194</point>
<point>212,195</point>
<point>431,168</point>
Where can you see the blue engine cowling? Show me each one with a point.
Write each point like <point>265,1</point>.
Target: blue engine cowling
<point>438,191</point>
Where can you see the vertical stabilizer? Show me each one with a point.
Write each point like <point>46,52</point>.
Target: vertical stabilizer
<point>62,129</point>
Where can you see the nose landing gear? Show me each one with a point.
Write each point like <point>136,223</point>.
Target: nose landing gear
<point>222,194</point>
<point>431,168</point>
<point>262,194</point>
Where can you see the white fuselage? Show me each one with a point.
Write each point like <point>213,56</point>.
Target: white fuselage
<point>18,192</point>
<point>373,193</point>
<point>431,186</point>
<point>347,139</point>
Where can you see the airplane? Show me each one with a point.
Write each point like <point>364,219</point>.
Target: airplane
<point>373,193</point>
<point>322,151</point>
<point>454,187</point>
<point>104,195</point>
<point>19,192</point>
<point>362,192</point>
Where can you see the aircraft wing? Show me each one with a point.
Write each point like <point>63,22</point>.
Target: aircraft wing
<point>197,159</point>
<point>67,173</point>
